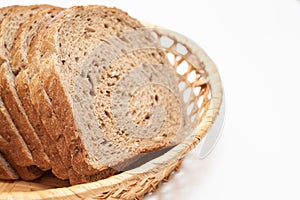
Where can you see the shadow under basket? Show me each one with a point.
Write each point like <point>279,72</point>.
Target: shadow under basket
<point>202,93</point>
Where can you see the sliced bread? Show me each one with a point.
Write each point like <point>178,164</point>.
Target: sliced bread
<point>19,62</point>
<point>21,154</point>
<point>9,27</point>
<point>69,45</point>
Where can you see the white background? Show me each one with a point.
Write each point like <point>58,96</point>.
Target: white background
<point>256,45</point>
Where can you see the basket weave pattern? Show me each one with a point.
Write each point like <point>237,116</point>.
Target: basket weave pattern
<point>200,86</point>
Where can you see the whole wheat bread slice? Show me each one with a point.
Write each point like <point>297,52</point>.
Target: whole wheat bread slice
<point>92,149</point>
<point>19,62</point>
<point>6,171</point>
<point>9,27</point>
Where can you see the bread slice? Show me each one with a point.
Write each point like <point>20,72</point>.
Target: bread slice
<point>8,29</point>
<point>64,60</point>
<point>6,171</point>
<point>19,62</point>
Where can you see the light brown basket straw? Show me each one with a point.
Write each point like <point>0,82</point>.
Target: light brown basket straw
<point>201,87</point>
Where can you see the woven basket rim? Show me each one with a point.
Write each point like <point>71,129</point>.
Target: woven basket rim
<point>170,158</point>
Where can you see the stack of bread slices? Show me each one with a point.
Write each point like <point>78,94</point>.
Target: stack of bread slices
<point>85,92</point>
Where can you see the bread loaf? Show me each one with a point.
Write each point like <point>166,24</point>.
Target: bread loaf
<point>67,45</point>
<point>8,29</point>
<point>15,143</point>
<point>88,89</point>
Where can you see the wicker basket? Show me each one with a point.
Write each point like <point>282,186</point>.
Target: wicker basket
<point>201,87</point>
